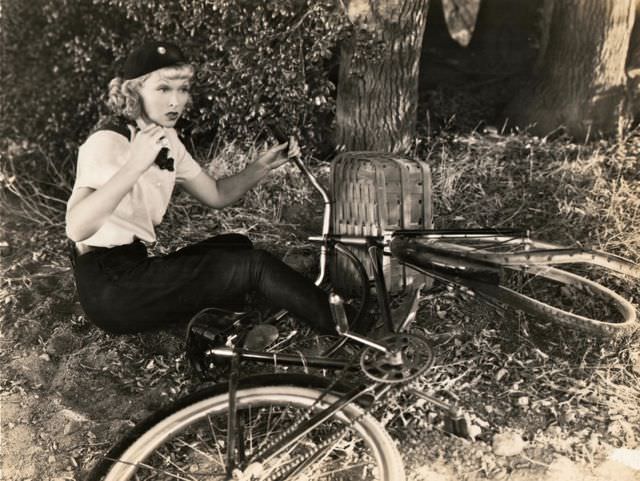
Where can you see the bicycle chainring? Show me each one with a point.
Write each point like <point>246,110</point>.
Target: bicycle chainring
<point>408,356</point>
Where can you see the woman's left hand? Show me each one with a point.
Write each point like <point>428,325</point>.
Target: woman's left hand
<point>278,155</point>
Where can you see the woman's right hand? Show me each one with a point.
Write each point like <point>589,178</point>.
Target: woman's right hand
<point>145,146</point>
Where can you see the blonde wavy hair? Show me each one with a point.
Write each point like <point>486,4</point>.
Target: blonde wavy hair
<point>124,95</point>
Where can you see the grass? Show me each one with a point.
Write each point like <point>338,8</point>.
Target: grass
<point>563,392</point>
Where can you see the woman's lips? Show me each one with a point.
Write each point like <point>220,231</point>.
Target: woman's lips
<point>172,115</point>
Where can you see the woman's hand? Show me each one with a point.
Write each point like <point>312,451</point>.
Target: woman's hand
<point>145,146</point>
<point>278,155</point>
<point>294,148</point>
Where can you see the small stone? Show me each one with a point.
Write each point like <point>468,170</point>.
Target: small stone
<point>553,431</point>
<point>474,431</point>
<point>508,444</point>
<point>634,359</point>
<point>5,248</point>
<point>626,456</point>
<point>568,417</point>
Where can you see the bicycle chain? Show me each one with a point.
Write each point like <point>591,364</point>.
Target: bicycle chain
<point>301,458</point>
<point>296,424</point>
<point>398,389</point>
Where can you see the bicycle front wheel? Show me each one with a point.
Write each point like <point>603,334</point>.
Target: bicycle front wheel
<point>523,275</point>
<point>187,441</point>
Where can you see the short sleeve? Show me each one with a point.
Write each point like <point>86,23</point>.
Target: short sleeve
<point>187,168</point>
<point>99,158</point>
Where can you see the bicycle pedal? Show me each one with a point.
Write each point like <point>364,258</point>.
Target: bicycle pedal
<point>458,424</point>
<point>260,337</point>
<point>208,328</point>
<point>220,319</point>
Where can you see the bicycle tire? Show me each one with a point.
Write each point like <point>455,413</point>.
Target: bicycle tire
<point>265,399</point>
<point>452,262</point>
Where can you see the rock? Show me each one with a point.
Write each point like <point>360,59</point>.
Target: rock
<point>508,444</point>
<point>474,431</point>
<point>5,248</point>
<point>74,421</point>
<point>627,457</point>
<point>554,431</point>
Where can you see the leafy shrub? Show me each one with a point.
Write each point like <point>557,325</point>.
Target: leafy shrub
<point>57,58</point>
<point>259,62</point>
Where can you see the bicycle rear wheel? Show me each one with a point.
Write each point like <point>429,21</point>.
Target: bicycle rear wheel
<point>521,273</point>
<point>187,440</point>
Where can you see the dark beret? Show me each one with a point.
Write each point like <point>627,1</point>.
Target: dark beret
<point>152,56</point>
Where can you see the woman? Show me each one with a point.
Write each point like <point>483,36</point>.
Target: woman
<point>126,172</point>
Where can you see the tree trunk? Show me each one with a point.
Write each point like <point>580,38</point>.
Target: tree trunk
<point>580,85</point>
<point>377,97</point>
<point>633,65</point>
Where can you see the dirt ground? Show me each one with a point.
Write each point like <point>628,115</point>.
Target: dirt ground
<point>48,432</point>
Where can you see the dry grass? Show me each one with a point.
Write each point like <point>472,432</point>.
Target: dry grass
<point>565,192</point>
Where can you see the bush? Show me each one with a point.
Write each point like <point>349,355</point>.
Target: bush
<point>259,62</point>
<point>57,57</point>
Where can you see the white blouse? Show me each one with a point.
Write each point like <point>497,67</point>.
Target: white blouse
<point>144,206</point>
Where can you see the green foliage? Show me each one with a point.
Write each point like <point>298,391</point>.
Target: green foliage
<point>258,62</point>
<point>57,57</point>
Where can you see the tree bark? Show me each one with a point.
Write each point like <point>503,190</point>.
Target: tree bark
<point>580,85</point>
<point>377,97</point>
<point>633,65</point>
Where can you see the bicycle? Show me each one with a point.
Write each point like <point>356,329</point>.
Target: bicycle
<point>301,426</point>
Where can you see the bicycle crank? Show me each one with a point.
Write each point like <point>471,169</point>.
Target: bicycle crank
<point>407,356</point>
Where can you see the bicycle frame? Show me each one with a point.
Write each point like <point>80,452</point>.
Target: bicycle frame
<point>376,247</point>
<point>471,271</point>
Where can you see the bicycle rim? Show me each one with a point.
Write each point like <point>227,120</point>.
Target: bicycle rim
<point>540,289</point>
<point>569,300</point>
<point>188,443</point>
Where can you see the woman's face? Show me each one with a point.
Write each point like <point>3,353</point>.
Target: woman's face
<point>165,95</point>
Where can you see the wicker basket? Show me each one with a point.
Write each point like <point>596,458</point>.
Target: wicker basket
<point>373,192</point>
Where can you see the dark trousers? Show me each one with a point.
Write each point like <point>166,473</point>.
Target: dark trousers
<point>123,290</point>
